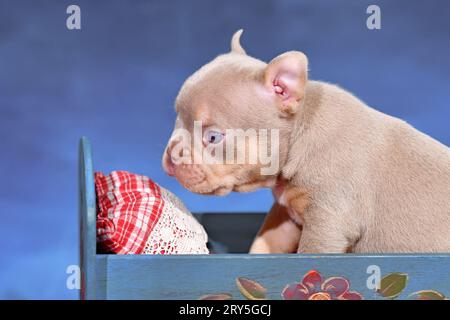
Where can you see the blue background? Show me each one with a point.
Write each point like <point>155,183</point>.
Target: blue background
<point>116,79</point>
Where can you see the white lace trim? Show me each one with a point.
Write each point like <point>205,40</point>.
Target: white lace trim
<point>177,231</point>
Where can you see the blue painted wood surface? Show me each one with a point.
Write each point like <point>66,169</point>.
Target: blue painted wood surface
<point>189,277</point>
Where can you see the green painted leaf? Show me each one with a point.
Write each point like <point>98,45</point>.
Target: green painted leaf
<point>217,296</point>
<point>427,295</point>
<point>392,285</point>
<point>250,289</point>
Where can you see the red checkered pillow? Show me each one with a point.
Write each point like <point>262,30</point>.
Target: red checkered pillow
<point>135,215</point>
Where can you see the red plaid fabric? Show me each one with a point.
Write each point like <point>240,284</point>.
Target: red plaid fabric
<point>128,207</point>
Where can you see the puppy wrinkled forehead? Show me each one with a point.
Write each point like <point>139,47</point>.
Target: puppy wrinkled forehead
<point>214,78</point>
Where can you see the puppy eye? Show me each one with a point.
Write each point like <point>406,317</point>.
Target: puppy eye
<point>213,137</point>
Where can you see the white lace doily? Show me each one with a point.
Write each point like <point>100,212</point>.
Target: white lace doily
<point>177,231</point>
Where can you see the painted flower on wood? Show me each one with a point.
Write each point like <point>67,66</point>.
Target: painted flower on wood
<point>314,287</point>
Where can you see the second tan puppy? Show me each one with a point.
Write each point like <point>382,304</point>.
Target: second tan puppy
<point>350,179</point>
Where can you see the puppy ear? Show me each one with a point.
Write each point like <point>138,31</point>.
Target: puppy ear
<point>286,77</point>
<point>236,44</point>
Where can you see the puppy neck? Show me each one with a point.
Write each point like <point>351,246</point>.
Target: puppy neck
<point>304,121</point>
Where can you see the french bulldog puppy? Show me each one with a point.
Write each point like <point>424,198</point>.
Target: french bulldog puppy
<point>348,178</point>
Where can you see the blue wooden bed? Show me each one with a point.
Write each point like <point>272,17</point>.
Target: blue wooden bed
<point>106,276</point>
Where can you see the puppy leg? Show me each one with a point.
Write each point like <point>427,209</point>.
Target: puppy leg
<point>323,234</point>
<point>278,234</point>
<point>296,201</point>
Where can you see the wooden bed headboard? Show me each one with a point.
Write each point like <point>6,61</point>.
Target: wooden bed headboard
<point>87,211</point>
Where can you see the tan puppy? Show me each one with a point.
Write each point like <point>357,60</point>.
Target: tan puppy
<point>349,178</point>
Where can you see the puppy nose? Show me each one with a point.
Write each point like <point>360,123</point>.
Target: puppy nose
<point>178,153</point>
<point>168,164</point>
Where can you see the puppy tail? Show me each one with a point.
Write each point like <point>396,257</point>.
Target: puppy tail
<point>236,43</point>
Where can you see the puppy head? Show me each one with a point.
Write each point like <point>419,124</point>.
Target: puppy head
<point>234,116</point>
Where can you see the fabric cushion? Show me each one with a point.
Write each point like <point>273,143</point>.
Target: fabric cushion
<point>136,216</point>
